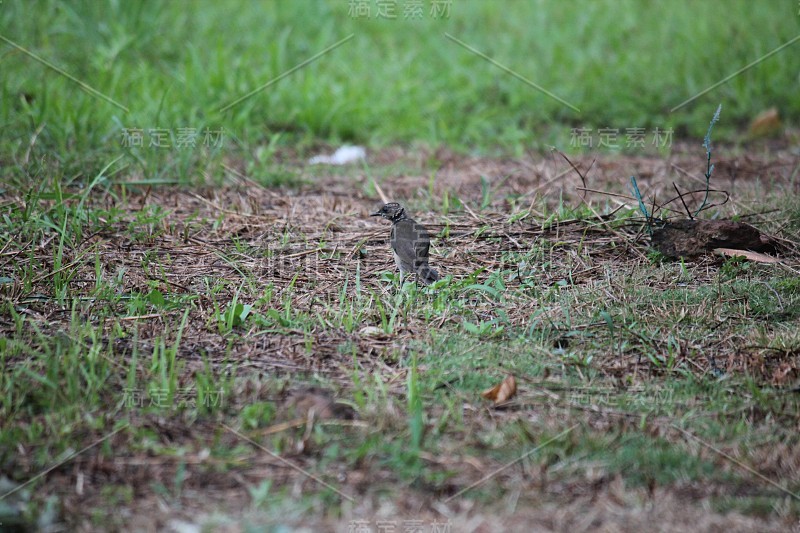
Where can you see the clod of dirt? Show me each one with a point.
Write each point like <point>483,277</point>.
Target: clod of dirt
<point>690,238</point>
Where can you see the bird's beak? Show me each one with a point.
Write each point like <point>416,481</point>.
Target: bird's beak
<point>375,214</point>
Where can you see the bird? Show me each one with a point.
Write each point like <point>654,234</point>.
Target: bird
<point>410,242</point>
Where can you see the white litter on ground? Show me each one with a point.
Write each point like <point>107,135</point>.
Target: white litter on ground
<point>342,156</point>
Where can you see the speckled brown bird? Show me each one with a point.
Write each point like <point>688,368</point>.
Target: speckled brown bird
<point>410,243</point>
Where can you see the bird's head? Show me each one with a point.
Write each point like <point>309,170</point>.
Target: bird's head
<point>391,211</point>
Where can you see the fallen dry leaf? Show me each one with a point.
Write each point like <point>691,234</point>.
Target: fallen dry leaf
<point>505,390</point>
<point>747,254</point>
<point>766,123</point>
<point>320,402</point>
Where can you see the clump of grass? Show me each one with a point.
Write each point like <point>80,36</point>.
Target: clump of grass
<point>709,166</point>
<point>650,214</point>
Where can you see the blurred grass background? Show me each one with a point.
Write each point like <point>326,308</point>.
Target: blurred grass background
<point>623,63</point>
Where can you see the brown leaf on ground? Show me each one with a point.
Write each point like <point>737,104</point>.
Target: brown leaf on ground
<point>320,402</point>
<point>505,390</point>
<point>766,123</point>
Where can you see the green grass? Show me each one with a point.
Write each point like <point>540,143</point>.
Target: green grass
<point>130,305</point>
<point>395,81</point>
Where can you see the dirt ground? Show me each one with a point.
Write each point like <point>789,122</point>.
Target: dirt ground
<point>321,233</point>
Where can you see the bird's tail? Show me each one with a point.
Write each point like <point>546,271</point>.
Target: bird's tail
<point>427,275</point>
